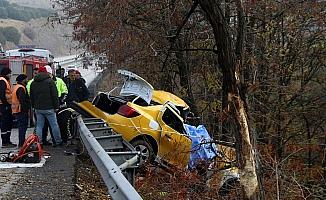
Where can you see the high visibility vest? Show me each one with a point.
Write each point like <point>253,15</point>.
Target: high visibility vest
<point>59,83</point>
<point>8,90</point>
<point>16,105</point>
<point>28,86</point>
<point>61,87</point>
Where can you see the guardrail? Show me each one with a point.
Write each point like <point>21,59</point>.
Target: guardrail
<point>101,145</point>
<point>66,60</point>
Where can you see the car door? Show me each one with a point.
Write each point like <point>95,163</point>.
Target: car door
<point>174,146</point>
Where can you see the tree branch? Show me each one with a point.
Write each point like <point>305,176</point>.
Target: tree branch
<point>173,39</point>
<point>199,49</point>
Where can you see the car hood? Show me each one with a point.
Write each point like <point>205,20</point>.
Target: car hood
<point>161,97</point>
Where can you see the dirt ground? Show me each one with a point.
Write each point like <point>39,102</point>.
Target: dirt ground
<point>89,184</point>
<point>153,184</point>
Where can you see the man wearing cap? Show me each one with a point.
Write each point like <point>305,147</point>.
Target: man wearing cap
<point>62,94</point>
<point>45,101</point>
<point>20,106</point>
<point>5,108</point>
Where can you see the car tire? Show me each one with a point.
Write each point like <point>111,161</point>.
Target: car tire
<point>147,154</point>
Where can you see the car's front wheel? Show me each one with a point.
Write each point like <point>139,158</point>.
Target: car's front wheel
<point>147,154</point>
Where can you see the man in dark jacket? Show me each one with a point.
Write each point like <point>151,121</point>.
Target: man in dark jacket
<point>20,106</point>
<point>79,76</point>
<point>45,101</point>
<point>5,108</point>
<point>62,94</point>
<point>77,90</point>
<point>67,79</point>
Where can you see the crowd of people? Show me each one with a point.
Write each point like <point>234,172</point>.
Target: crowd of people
<point>43,95</point>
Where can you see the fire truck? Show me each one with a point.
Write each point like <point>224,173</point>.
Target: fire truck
<point>23,61</point>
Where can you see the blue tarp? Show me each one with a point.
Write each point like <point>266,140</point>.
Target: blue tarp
<point>201,149</point>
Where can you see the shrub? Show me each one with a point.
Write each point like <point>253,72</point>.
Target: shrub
<point>3,39</point>
<point>4,3</point>
<point>28,31</point>
<point>23,13</point>
<point>11,34</point>
<point>13,13</point>
<point>3,13</point>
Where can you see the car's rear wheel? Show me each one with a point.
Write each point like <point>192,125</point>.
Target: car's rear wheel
<point>147,154</point>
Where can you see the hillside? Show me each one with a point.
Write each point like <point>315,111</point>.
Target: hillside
<point>38,31</point>
<point>33,3</point>
<point>46,36</point>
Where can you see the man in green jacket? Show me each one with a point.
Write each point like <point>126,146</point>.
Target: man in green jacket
<point>28,85</point>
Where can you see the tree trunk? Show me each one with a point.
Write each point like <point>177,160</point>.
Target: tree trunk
<point>230,66</point>
<point>166,80</point>
<point>184,74</point>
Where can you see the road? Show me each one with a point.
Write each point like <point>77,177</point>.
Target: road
<point>9,177</point>
<point>53,180</point>
<point>12,178</point>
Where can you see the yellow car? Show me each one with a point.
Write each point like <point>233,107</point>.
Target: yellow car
<point>150,120</point>
<point>153,122</point>
<point>156,131</point>
<point>160,97</point>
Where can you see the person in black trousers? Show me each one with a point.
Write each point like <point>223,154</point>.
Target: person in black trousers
<point>20,107</point>
<point>5,108</point>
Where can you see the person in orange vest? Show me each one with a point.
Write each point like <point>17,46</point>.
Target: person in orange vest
<point>20,107</point>
<point>5,108</point>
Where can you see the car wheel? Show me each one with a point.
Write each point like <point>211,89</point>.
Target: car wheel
<point>146,151</point>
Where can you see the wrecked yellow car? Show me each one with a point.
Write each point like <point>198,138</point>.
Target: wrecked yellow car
<point>153,122</point>
<point>150,120</point>
<point>160,97</point>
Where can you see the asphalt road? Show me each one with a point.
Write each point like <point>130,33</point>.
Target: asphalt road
<point>54,180</point>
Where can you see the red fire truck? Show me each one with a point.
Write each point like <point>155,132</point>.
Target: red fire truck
<point>23,61</point>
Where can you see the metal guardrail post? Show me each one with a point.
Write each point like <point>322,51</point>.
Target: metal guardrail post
<point>118,186</point>
<point>129,163</point>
